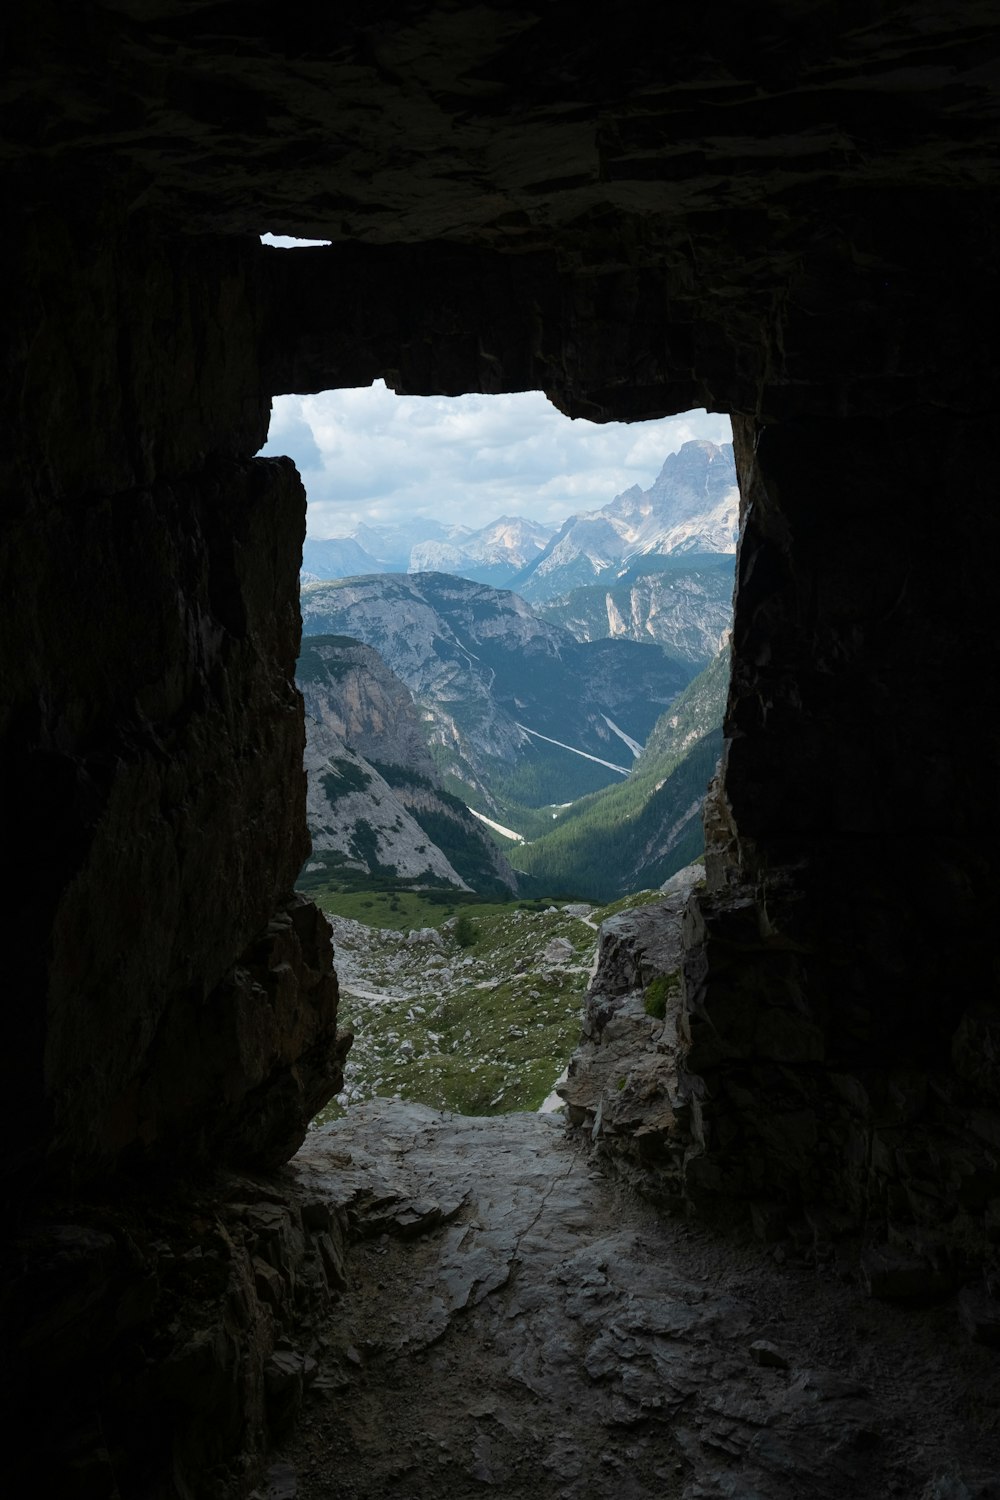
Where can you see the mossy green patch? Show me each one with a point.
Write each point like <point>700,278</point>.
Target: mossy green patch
<point>658,992</point>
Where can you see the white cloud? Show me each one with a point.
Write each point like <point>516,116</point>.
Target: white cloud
<point>369,455</point>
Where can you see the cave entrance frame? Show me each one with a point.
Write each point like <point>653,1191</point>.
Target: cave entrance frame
<point>611,458</point>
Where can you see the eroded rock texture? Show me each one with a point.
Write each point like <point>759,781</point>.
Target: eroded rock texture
<point>518,1324</point>
<point>627,1086</point>
<point>156,735</point>
<point>159,1339</point>
<point>789,213</point>
<point>844,962</point>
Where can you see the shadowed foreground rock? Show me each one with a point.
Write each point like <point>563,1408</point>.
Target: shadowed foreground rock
<point>515,1324</point>
<point>626,1086</point>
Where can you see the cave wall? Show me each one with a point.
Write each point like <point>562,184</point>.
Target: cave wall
<point>171,1003</point>
<point>152,733</point>
<point>789,214</point>
<point>841,971</point>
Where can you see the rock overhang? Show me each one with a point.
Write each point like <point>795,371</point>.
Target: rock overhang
<point>498,126</point>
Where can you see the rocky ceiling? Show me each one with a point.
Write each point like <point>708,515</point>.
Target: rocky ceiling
<point>504,126</point>
<point>747,169</point>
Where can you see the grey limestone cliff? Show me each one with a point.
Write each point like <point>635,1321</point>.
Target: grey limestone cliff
<point>375,804</point>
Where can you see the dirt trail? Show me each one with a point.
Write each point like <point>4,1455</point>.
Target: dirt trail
<point>517,1326</point>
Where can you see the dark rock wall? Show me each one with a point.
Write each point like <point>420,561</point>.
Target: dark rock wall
<point>152,733</point>
<point>159,1344</point>
<point>132,349</point>
<point>845,960</point>
<point>171,1004</point>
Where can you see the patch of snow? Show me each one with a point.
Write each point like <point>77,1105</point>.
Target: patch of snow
<point>507,833</point>
<point>622,770</point>
<point>552,1103</point>
<point>635,748</point>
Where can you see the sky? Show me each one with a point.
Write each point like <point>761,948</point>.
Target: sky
<point>370,456</point>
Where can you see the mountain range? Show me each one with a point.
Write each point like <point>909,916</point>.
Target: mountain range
<point>490,554</point>
<point>494,554</point>
<point>437,703</point>
<point>691,507</point>
<point>684,603</point>
<point>517,712</point>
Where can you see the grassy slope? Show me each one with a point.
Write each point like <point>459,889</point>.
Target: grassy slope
<point>493,1037</point>
<point>601,844</point>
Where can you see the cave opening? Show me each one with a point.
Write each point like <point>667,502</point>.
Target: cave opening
<point>435,491</point>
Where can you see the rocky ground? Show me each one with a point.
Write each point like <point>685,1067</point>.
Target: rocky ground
<point>481,1029</point>
<point>516,1323</point>
<point>516,1320</point>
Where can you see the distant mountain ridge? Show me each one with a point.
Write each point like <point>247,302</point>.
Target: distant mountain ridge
<point>692,506</point>
<point>494,554</point>
<point>337,557</point>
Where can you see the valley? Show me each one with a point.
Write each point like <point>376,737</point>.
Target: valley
<point>514,709</point>
<point>463,739</point>
<point>639,831</point>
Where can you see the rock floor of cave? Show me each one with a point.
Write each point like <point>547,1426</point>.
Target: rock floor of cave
<point>517,1325</point>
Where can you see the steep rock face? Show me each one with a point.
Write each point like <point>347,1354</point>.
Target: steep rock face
<point>375,801</point>
<point>167,793</point>
<point>686,609</point>
<point>625,1084</point>
<point>359,825</point>
<point>692,506</point>
<point>172,1005</point>
<point>348,689</point>
<point>855,981</point>
<point>264,1055</point>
